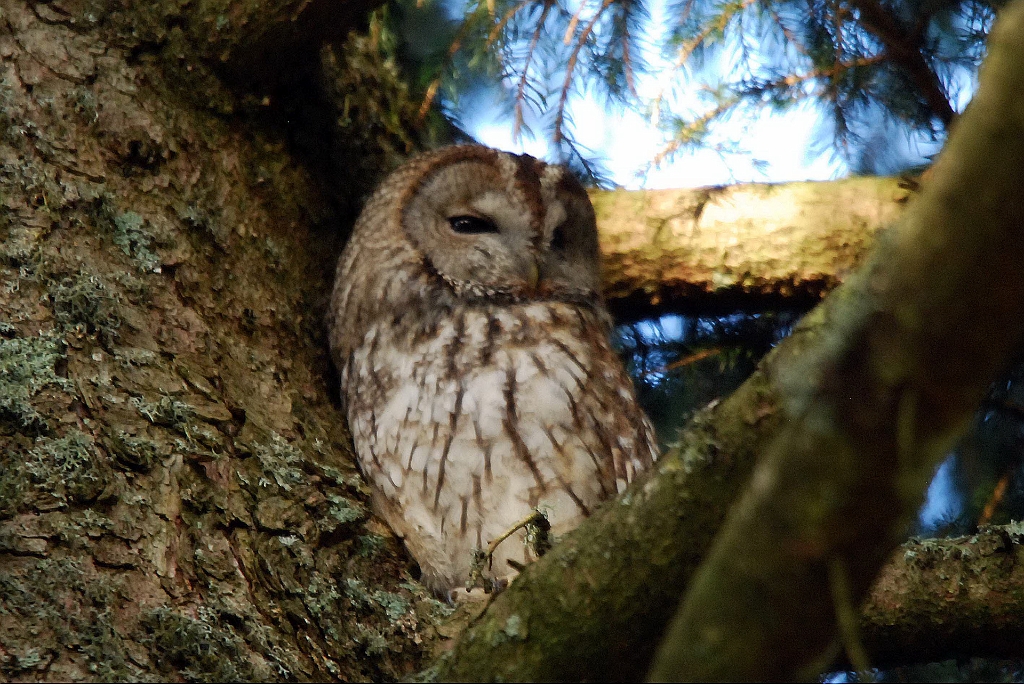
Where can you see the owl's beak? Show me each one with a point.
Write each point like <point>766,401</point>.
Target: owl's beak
<point>533,275</point>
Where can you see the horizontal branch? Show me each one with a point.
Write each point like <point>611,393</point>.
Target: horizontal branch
<point>942,599</point>
<point>745,245</point>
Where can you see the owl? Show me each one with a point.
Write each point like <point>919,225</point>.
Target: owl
<point>472,344</point>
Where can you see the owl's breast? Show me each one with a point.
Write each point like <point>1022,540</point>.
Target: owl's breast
<point>498,412</point>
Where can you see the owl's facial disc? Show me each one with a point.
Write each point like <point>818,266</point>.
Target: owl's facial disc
<point>492,230</point>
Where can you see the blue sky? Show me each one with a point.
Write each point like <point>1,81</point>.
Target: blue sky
<point>627,141</point>
<point>774,147</point>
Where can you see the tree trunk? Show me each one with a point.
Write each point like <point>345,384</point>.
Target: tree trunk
<point>177,495</point>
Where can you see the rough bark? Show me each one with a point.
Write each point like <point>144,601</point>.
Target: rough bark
<point>884,374</point>
<point>177,498</point>
<point>738,247</point>
<point>909,348</point>
<point>258,41</point>
<point>952,598</point>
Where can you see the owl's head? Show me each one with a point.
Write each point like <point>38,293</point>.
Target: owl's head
<point>496,225</point>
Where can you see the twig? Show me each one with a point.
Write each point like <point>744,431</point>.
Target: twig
<point>904,50</point>
<point>521,89</point>
<point>431,93</point>
<point>533,517</point>
<point>571,66</point>
<point>997,497</point>
<point>496,31</point>
<point>685,361</point>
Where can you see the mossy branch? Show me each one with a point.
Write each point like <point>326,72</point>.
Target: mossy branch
<point>949,598</point>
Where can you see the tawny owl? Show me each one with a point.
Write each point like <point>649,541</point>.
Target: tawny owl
<point>476,370</point>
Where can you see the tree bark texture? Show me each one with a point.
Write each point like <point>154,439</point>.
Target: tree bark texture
<point>951,598</point>
<point>177,496</point>
<point>738,247</point>
<point>868,391</point>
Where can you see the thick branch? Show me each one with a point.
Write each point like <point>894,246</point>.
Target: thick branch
<point>911,345</point>
<point>938,599</point>
<point>746,245</point>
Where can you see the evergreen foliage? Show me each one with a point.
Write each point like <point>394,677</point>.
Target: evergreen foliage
<point>878,68</point>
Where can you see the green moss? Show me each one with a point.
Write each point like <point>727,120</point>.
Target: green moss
<point>321,596</point>
<point>369,545</point>
<point>203,220</point>
<point>136,290</point>
<point>373,642</point>
<point>54,473</point>
<point>76,527</point>
<point>83,102</point>
<point>19,248</point>
<point>325,603</point>
<point>201,649</point>
<point>514,628</point>
<point>136,356</point>
<point>280,464</point>
<point>355,590</point>
<point>27,366</point>
<point>169,412</point>
<point>12,489</point>
<point>1015,529</point>
<point>340,511</point>
<point>166,411</point>
<point>336,476</point>
<point>137,453</point>
<point>394,605</point>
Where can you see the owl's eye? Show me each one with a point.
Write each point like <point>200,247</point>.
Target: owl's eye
<point>471,225</point>
<point>558,239</point>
